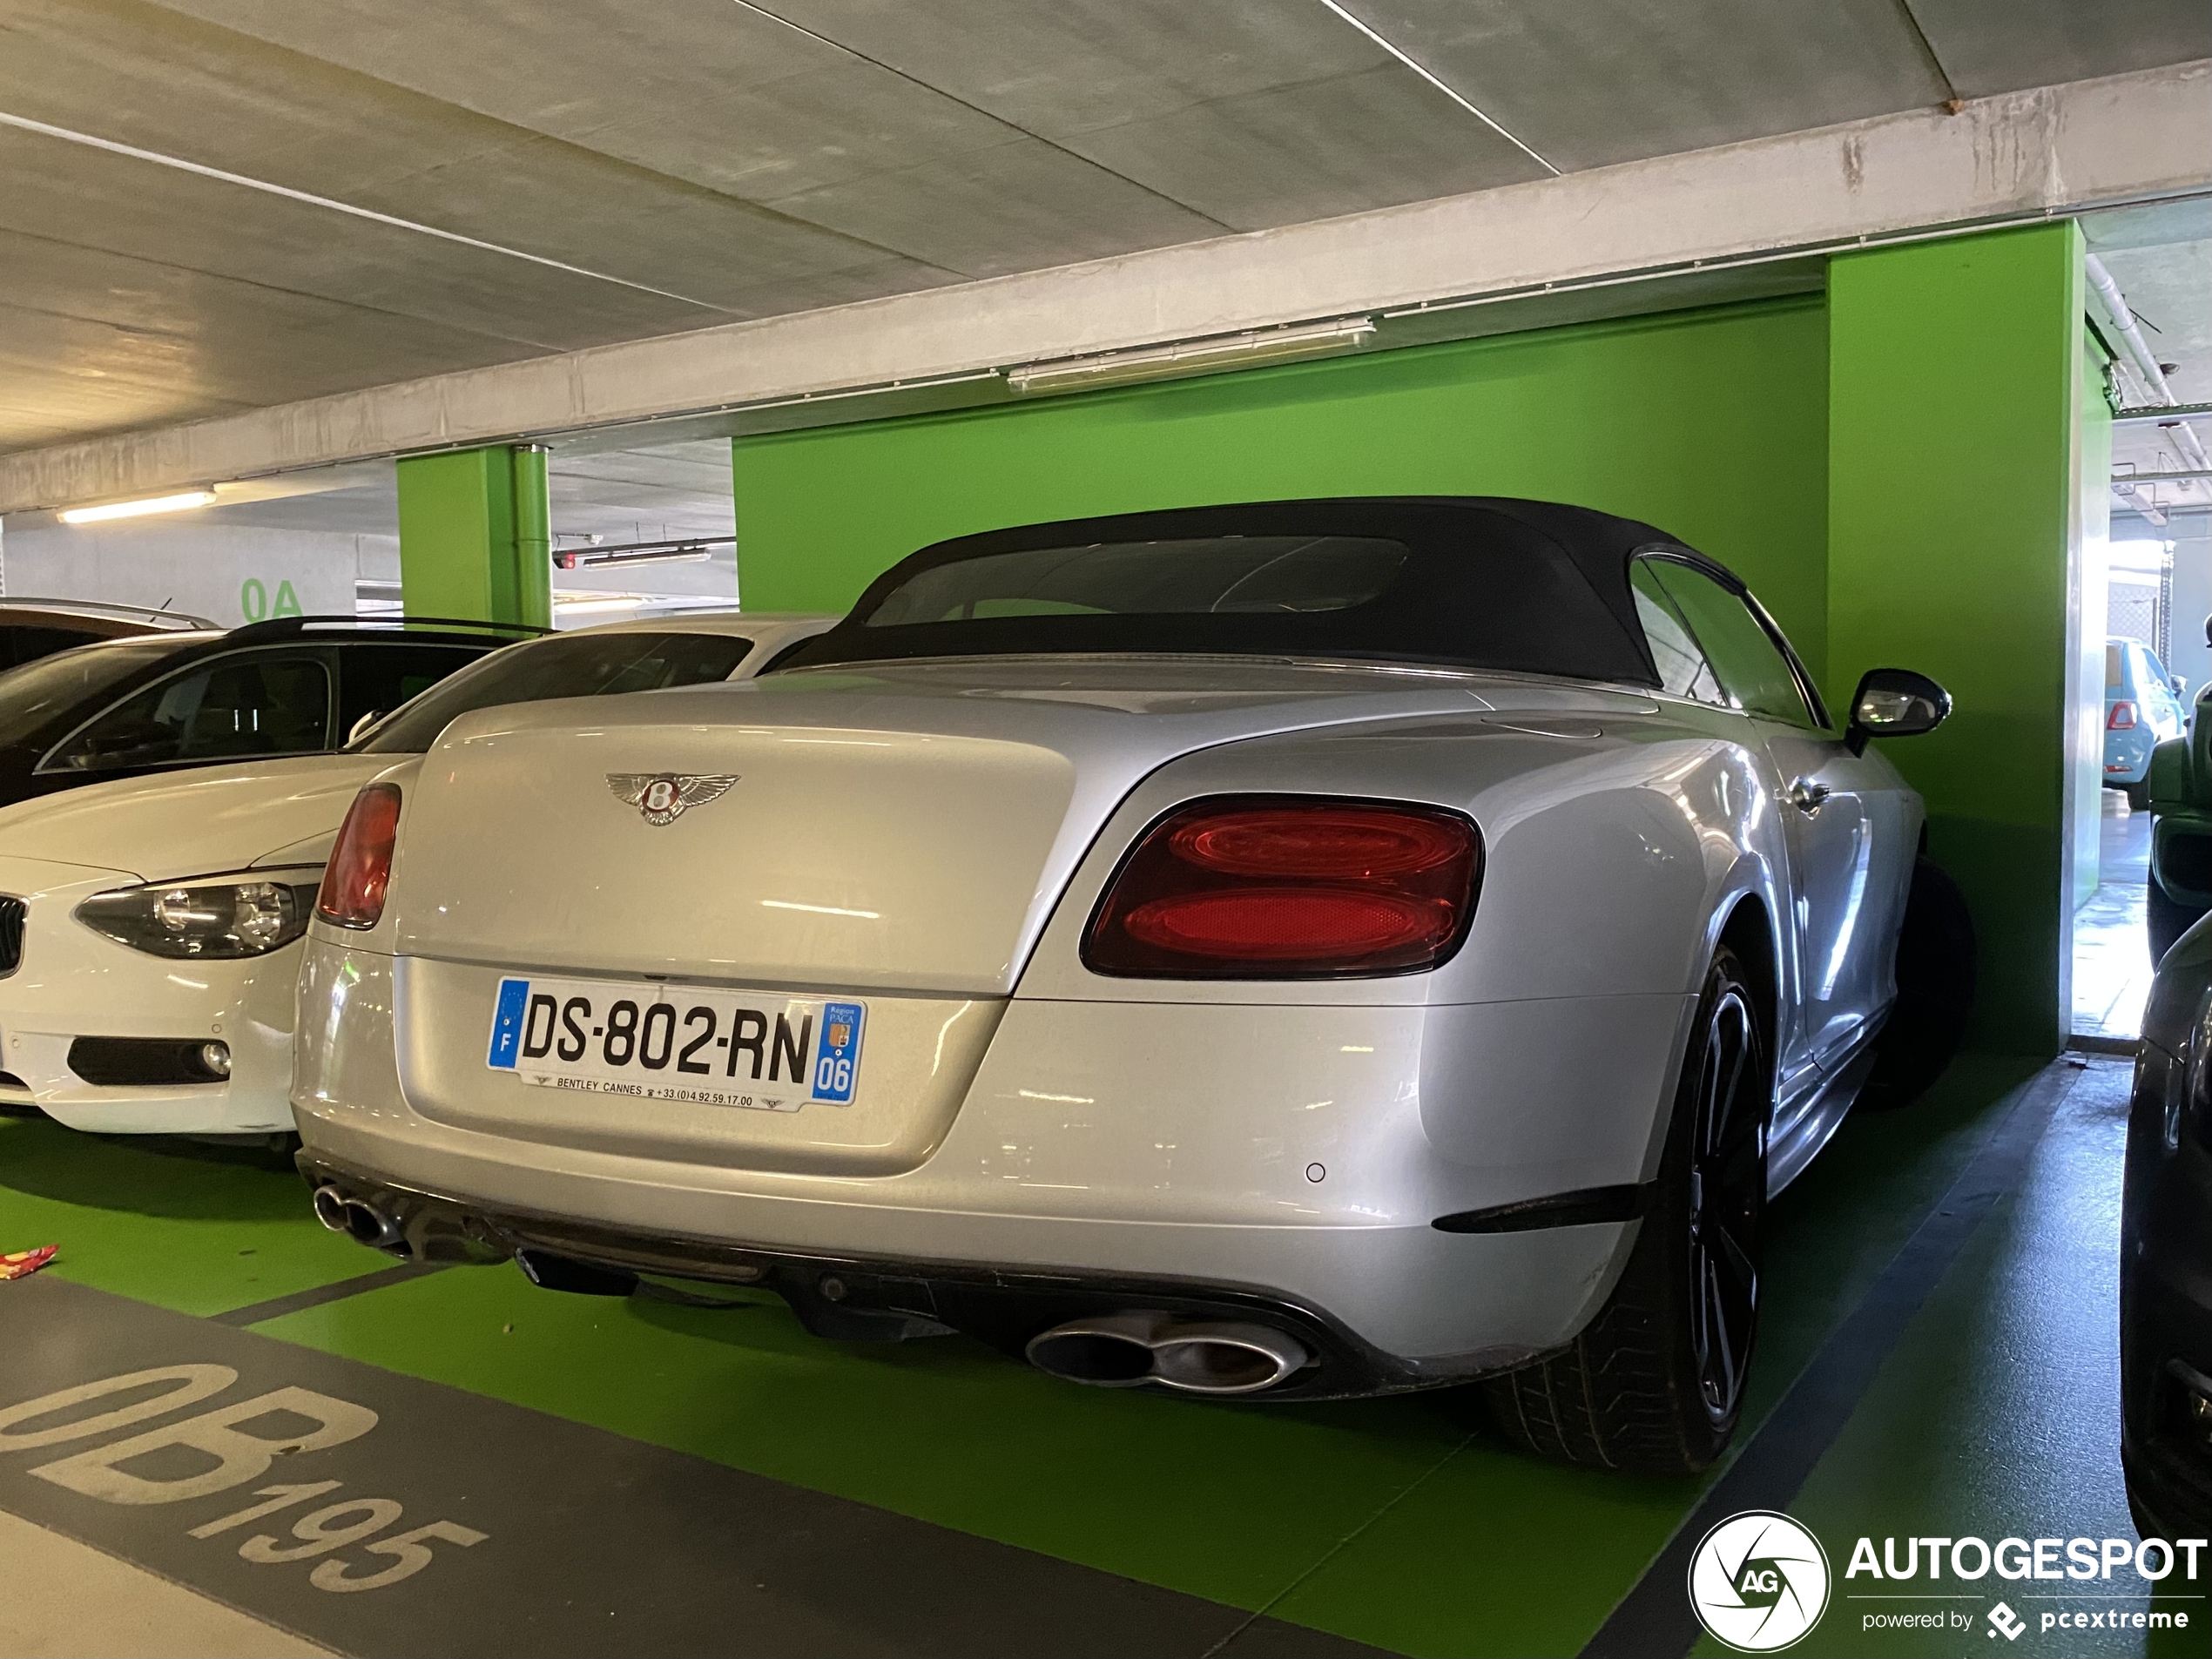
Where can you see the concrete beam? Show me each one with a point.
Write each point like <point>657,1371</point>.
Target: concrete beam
<point>2021,156</point>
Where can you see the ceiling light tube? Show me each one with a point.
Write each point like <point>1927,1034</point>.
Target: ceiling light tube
<point>138,508</point>
<point>1247,350</point>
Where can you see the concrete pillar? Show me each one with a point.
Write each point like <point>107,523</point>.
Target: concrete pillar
<point>1955,532</point>
<point>475,535</point>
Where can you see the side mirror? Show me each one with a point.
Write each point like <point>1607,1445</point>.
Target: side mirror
<point>1894,703</point>
<point>363,725</point>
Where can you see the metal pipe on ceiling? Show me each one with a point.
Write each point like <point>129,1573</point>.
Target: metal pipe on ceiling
<point>2143,360</point>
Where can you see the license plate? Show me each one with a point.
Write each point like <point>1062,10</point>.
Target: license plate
<point>671,1042</point>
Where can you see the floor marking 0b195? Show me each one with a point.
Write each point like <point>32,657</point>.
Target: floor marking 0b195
<point>240,1458</point>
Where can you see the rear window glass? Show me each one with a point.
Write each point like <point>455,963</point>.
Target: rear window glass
<point>1450,589</point>
<point>37,695</point>
<point>2114,671</point>
<point>1217,575</point>
<point>588,665</point>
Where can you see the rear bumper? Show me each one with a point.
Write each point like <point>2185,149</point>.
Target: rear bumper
<point>1294,1157</point>
<point>2127,755</point>
<point>849,1297</point>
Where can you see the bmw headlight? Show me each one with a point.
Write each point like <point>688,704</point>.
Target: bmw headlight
<point>219,920</point>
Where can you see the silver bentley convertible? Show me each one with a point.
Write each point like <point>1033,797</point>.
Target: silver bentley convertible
<point>1290,950</point>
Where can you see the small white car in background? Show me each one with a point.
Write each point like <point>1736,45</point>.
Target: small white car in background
<point>148,987</point>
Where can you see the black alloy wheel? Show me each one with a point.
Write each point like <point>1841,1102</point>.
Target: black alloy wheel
<point>1727,1199</point>
<point>1654,1383</point>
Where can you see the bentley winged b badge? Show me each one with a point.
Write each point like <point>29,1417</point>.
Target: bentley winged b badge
<point>663,797</point>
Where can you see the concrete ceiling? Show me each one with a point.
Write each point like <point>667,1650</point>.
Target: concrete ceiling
<point>248,202</point>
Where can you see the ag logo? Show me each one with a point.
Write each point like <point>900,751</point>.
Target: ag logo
<point>1758,1582</point>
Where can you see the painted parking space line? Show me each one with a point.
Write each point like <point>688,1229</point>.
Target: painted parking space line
<point>361,1507</point>
<point>318,1296</point>
<point>1655,1620</point>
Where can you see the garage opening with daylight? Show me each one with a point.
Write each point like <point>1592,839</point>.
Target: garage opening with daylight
<point>1316,827</point>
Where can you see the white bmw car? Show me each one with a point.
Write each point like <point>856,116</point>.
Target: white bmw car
<point>1288,951</point>
<point>150,928</point>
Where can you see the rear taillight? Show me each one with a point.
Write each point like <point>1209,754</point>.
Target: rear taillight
<point>2122,717</point>
<point>360,865</point>
<point>1276,886</point>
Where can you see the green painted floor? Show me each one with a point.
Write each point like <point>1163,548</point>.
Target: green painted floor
<point>1396,1522</point>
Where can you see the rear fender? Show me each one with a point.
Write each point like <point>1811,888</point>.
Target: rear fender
<point>1608,860</point>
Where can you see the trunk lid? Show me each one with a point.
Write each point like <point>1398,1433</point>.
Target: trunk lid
<point>905,829</point>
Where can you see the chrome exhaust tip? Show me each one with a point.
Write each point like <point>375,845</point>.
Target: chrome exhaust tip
<point>1192,1356</point>
<point>370,1225</point>
<point>1113,1351</point>
<point>1227,1358</point>
<point>330,1208</point>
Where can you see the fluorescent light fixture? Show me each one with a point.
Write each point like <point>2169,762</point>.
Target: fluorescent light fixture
<point>1247,350</point>
<point>582,603</point>
<point>138,508</point>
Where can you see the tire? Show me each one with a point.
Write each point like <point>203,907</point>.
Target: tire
<point>2168,918</point>
<point>1654,1383</point>
<point>2139,797</point>
<point>1936,954</point>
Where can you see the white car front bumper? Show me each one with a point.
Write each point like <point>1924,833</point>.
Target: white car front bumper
<point>72,982</point>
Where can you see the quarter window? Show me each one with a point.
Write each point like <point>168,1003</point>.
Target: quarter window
<point>232,709</point>
<point>1749,664</point>
<point>1683,671</point>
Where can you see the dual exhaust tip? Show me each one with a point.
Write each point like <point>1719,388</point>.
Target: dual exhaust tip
<point>356,1218</point>
<point>1194,1356</point>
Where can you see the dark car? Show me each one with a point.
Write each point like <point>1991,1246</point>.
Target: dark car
<point>297,686</point>
<point>2166,1254</point>
<point>31,629</point>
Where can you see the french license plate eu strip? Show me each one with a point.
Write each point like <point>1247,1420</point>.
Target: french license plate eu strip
<point>653,1041</point>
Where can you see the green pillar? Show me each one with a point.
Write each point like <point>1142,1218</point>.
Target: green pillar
<point>1955,532</point>
<point>475,537</point>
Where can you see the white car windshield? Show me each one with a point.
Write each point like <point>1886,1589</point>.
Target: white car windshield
<point>586,664</point>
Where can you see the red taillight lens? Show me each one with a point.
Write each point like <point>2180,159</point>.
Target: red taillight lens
<point>360,865</point>
<point>2122,717</point>
<point>1281,887</point>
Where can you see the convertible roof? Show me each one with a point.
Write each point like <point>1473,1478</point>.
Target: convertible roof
<point>1512,578</point>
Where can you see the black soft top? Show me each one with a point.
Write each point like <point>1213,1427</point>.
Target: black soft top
<point>1488,582</point>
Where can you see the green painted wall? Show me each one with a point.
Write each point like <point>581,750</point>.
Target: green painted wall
<point>474,536</point>
<point>1711,424</point>
<point>1955,393</point>
<point>1819,448</point>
